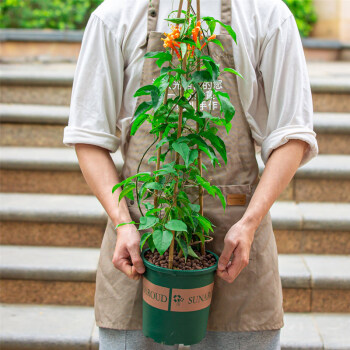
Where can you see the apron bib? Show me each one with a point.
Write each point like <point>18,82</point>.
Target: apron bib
<point>254,300</point>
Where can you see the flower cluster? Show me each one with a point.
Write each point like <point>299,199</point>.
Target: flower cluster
<point>169,41</point>
<point>197,36</point>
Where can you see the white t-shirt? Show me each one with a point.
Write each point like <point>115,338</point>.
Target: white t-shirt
<point>275,94</point>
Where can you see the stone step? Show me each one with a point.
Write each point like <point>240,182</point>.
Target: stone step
<point>32,125</point>
<point>333,131</point>
<point>42,126</point>
<point>80,221</point>
<point>56,170</point>
<point>57,275</point>
<point>48,275</point>
<point>51,85</point>
<point>73,327</point>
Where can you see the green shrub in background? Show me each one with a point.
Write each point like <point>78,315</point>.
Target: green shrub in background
<point>74,14</point>
<point>304,13</point>
<point>55,14</point>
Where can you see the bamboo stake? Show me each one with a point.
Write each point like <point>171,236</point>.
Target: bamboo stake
<point>199,159</point>
<point>159,152</point>
<point>179,129</point>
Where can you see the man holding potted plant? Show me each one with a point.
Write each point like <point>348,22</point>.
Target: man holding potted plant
<point>273,107</point>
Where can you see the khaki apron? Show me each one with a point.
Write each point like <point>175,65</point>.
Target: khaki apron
<point>254,300</point>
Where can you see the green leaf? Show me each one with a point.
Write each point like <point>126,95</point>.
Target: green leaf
<point>195,207</point>
<point>186,153</point>
<point>166,169</point>
<point>200,235</point>
<point>183,48</point>
<point>192,156</point>
<point>137,123</point>
<point>207,58</point>
<point>154,186</point>
<point>142,108</point>
<point>217,42</point>
<point>202,76</point>
<point>233,72</point>
<point>213,69</point>
<point>226,106</point>
<point>220,195</point>
<point>183,150</point>
<point>192,253</point>
<point>205,184</point>
<point>127,180</point>
<point>151,245</point>
<point>176,225</point>
<point>226,26</point>
<point>147,222</point>
<point>148,206</point>
<point>203,146</point>
<point>162,82</point>
<point>183,246</point>
<point>163,56</point>
<point>185,84</point>
<point>146,90</point>
<point>162,240</point>
<point>185,104</point>
<point>176,20</point>
<point>124,223</point>
<point>127,189</point>
<point>204,223</point>
<point>200,93</point>
<point>144,239</point>
<point>217,143</point>
<point>163,141</point>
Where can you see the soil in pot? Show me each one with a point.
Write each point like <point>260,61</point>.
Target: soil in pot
<point>180,263</point>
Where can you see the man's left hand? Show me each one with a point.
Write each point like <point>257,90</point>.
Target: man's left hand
<point>238,241</point>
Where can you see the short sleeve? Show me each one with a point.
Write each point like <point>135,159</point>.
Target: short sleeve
<point>97,89</point>
<point>287,92</point>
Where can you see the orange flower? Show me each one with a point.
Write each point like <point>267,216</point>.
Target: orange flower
<point>212,37</point>
<point>169,40</point>
<point>195,31</point>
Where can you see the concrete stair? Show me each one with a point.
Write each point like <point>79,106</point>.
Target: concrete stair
<point>333,131</point>
<point>66,276</point>
<point>80,220</point>
<point>55,327</point>
<point>32,125</point>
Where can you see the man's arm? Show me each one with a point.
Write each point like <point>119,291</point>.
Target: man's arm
<point>101,175</point>
<point>280,169</point>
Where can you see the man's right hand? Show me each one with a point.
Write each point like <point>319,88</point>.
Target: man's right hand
<point>127,257</point>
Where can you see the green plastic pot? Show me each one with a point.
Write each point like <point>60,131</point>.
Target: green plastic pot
<point>176,303</point>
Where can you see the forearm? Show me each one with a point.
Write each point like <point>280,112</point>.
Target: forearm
<point>101,175</point>
<point>279,170</point>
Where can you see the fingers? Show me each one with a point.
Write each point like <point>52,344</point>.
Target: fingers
<point>239,262</point>
<point>136,259</point>
<point>128,260</point>
<point>225,256</point>
<point>126,267</point>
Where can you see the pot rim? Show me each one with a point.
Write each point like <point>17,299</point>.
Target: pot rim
<point>165,270</point>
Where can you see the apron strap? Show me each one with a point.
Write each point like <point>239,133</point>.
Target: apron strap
<point>153,10</point>
<point>226,14</point>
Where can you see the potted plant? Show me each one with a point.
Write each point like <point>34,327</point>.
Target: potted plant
<point>179,276</point>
